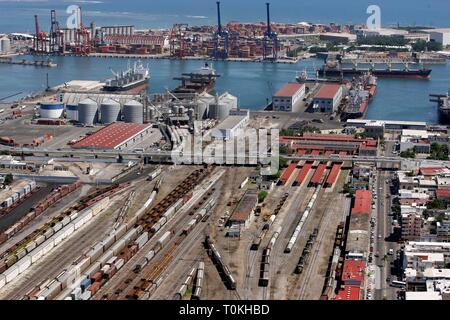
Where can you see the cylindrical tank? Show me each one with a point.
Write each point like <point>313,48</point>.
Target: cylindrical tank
<point>87,112</point>
<point>175,110</point>
<point>51,110</point>
<point>5,45</point>
<point>191,114</point>
<point>109,111</point>
<point>201,110</point>
<point>133,112</point>
<point>72,112</point>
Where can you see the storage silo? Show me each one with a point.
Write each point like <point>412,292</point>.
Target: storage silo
<point>72,112</point>
<point>151,113</point>
<point>5,45</point>
<point>51,110</point>
<point>87,112</point>
<point>109,111</point>
<point>133,112</point>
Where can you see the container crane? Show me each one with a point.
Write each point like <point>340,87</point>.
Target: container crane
<point>39,38</point>
<point>270,41</point>
<point>82,38</point>
<point>56,35</point>
<point>221,35</point>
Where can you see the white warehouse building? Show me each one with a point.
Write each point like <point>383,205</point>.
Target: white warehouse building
<point>226,130</point>
<point>441,36</point>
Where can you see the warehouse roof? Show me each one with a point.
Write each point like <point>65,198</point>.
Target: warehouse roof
<point>244,208</point>
<point>349,293</point>
<point>289,89</point>
<point>111,136</point>
<point>353,270</point>
<point>328,91</point>
<point>363,199</point>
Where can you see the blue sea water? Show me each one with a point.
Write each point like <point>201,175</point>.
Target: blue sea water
<point>253,83</point>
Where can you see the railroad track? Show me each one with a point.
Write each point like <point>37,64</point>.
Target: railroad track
<point>323,224</point>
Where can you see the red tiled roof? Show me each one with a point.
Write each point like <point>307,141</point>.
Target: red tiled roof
<point>124,39</point>
<point>363,199</point>
<point>431,171</point>
<point>334,173</point>
<point>288,172</point>
<point>289,89</point>
<point>111,136</point>
<point>328,91</point>
<point>353,270</point>
<point>349,293</point>
<point>319,173</point>
<point>443,193</point>
<point>303,173</point>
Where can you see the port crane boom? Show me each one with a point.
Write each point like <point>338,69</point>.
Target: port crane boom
<point>221,35</point>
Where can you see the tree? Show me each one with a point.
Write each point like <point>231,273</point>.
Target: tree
<point>437,203</point>
<point>283,162</point>
<point>408,154</point>
<point>9,179</point>
<point>262,196</point>
<point>438,152</point>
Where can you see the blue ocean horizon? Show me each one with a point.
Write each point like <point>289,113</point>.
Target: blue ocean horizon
<point>17,15</point>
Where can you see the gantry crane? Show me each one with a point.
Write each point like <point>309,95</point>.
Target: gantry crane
<point>270,41</point>
<point>82,38</point>
<point>39,38</point>
<point>56,35</point>
<point>220,37</point>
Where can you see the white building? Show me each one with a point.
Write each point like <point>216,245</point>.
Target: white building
<point>441,36</point>
<point>288,97</point>
<point>226,130</point>
<point>328,98</point>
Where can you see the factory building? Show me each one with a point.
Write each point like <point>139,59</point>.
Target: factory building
<point>441,36</point>
<point>288,97</point>
<point>244,210</point>
<point>236,120</point>
<point>328,98</point>
<point>389,124</point>
<point>116,136</point>
<point>375,129</point>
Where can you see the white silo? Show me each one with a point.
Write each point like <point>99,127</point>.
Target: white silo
<point>133,112</point>
<point>5,45</point>
<point>109,111</point>
<point>87,112</point>
<point>72,112</point>
<point>51,110</point>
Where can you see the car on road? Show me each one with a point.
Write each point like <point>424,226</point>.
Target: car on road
<point>391,252</point>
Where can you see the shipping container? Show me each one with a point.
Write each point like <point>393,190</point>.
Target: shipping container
<point>11,273</point>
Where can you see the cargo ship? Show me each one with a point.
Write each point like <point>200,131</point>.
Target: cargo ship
<point>337,71</point>
<point>363,90</point>
<point>132,81</point>
<point>305,77</point>
<point>202,80</point>
<point>443,101</point>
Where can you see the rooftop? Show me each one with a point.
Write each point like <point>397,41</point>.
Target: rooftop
<point>349,293</point>
<point>353,270</point>
<point>363,199</point>
<point>111,136</point>
<point>245,207</point>
<point>328,91</point>
<point>289,89</point>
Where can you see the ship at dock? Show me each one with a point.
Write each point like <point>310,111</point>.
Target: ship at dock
<point>336,70</point>
<point>363,90</point>
<point>132,81</point>
<point>199,81</point>
<point>443,101</point>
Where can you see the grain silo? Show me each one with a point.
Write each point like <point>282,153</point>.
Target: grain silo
<point>88,112</point>
<point>133,112</point>
<point>72,112</point>
<point>109,111</point>
<point>5,45</point>
<point>51,110</point>
<point>220,108</point>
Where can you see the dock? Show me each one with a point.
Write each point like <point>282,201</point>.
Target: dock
<point>23,62</point>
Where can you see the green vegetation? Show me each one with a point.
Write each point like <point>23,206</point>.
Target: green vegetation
<point>439,152</point>
<point>360,135</point>
<point>8,179</point>
<point>396,209</point>
<point>294,52</point>
<point>438,204</point>
<point>383,41</point>
<point>262,196</point>
<point>284,150</point>
<point>317,49</point>
<point>348,190</point>
<point>283,162</point>
<point>422,45</point>
<point>441,217</point>
<point>410,153</point>
<point>410,173</point>
<point>296,132</point>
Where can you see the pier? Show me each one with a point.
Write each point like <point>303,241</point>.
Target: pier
<point>40,63</point>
